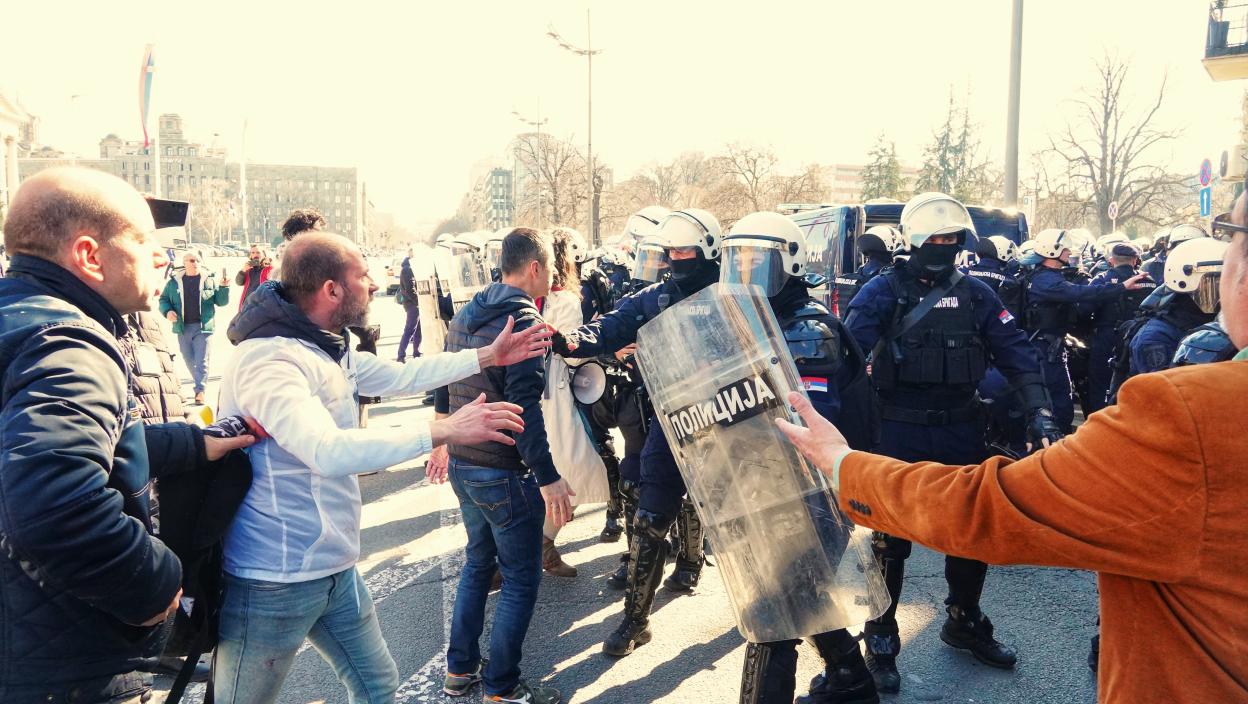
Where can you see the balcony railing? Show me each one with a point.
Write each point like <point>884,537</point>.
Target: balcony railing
<point>1228,29</point>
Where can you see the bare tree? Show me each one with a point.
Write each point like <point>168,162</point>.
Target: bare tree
<point>552,182</point>
<point>803,187</point>
<point>752,166</point>
<point>1108,147</point>
<point>211,217</point>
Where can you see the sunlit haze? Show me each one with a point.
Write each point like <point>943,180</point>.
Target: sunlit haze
<point>415,93</point>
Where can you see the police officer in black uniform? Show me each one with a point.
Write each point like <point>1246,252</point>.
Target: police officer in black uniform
<point>876,246</point>
<point>933,332</point>
<point>767,250</point>
<point>1124,262</point>
<point>691,239</point>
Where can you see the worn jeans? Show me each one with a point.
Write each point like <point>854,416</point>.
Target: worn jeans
<point>411,331</point>
<point>264,623</point>
<point>193,342</point>
<point>503,513</point>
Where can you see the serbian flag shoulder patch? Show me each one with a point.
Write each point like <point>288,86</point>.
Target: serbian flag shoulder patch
<point>1005,316</point>
<point>815,383</point>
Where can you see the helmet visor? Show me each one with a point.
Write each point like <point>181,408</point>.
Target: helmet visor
<point>651,263</point>
<point>754,262</point>
<point>937,218</point>
<point>1206,294</point>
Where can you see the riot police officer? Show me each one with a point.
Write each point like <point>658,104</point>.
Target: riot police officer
<point>768,250</point>
<point>1193,269</point>
<point>933,332</point>
<point>1177,235</point>
<point>876,246</point>
<point>690,242</point>
<point>1051,310</point>
<point>1124,261</point>
<point>1207,344</point>
<point>994,255</point>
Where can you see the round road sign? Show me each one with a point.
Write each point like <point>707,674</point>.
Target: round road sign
<point>1113,210</point>
<point>1206,172</point>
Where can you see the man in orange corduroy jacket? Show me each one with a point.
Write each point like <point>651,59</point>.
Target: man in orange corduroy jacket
<point>1152,494</point>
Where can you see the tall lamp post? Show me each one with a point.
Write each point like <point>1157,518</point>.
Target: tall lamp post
<point>588,52</point>
<point>1011,129</point>
<point>537,126</point>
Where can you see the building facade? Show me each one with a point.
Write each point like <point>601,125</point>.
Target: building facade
<point>221,210</point>
<point>500,199</point>
<point>845,181</point>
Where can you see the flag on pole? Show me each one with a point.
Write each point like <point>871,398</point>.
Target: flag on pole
<point>146,72</point>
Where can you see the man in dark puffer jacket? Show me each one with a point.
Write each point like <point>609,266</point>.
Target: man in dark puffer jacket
<point>488,475</point>
<point>84,587</point>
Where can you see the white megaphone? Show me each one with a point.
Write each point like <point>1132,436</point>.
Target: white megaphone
<point>589,382</point>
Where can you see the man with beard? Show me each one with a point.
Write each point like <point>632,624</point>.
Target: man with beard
<point>933,333</point>
<point>291,551</point>
<point>690,240</point>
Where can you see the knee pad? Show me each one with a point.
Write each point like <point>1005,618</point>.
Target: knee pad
<point>631,489</point>
<point>651,525</point>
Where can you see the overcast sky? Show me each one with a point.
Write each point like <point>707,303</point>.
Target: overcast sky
<point>415,93</point>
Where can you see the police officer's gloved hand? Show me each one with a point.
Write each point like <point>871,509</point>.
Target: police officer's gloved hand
<point>1042,430</point>
<point>559,345</point>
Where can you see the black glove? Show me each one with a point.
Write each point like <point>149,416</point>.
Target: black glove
<point>228,427</point>
<point>559,345</point>
<point>1042,427</point>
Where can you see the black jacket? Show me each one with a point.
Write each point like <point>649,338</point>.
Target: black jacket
<point>407,284</point>
<point>476,325</point>
<point>78,563</point>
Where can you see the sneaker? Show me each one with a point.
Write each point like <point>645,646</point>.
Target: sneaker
<point>459,685</point>
<point>526,694</point>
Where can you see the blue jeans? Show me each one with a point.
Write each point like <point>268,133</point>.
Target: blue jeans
<point>193,342</point>
<point>264,623</point>
<point>503,514</point>
<point>411,331</point>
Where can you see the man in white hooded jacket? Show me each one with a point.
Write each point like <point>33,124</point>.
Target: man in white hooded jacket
<point>291,551</point>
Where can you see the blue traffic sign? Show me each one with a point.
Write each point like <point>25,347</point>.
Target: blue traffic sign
<point>1206,201</point>
<point>1206,172</point>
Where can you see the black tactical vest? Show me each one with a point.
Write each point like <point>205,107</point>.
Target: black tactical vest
<point>942,354</point>
<point>1049,317</point>
<point>821,347</point>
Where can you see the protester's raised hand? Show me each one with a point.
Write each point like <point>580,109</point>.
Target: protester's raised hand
<point>479,422</point>
<point>511,347</point>
<point>819,441</point>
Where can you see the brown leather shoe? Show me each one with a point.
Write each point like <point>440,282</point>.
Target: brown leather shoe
<point>553,562</point>
<point>199,398</point>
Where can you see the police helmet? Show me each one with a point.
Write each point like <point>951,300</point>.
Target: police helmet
<point>1206,344</point>
<point>1195,268</point>
<point>764,249</point>
<point>577,246</point>
<point>929,214</point>
<point>1027,247</point>
<point>1106,241</point>
<point>1051,243</point>
<point>651,262</point>
<point>1185,233</point>
<point>643,223</point>
<point>691,227</point>
<point>884,239</point>
<point>1006,249</point>
<point>444,240</point>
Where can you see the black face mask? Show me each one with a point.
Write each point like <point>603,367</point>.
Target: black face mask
<point>934,261</point>
<point>692,275</point>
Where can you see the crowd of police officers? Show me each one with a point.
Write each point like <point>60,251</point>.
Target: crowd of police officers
<point>953,346</point>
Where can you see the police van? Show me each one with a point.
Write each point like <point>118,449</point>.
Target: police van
<point>832,233</point>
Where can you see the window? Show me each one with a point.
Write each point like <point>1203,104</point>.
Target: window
<point>123,166</point>
<point>147,166</point>
<point>147,180</point>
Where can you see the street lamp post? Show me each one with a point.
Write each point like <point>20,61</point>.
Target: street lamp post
<point>1011,130</point>
<point>588,52</point>
<point>536,125</point>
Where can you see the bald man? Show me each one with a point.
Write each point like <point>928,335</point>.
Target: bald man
<point>291,551</point>
<point>84,586</point>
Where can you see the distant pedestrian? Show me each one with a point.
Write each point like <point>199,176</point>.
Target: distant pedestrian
<point>258,270</point>
<point>190,301</point>
<point>411,306</point>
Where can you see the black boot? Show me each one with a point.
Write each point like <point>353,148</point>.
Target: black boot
<point>628,493</point>
<point>883,645</point>
<point>619,578</point>
<point>647,552</point>
<point>690,556</point>
<point>972,631</point>
<point>1094,653</point>
<point>612,530</point>
<point>845,678</point>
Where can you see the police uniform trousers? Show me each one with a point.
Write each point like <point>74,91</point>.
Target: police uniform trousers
<point>769,675</point>
<point>958,443</point>
<point>1100,374</point>
<point>1057,380</point>
<point>662,487</point>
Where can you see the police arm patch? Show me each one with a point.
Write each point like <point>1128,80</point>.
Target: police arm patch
<point>1004,316</point>
<point>815,383</point>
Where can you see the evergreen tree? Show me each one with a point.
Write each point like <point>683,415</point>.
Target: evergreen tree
<point>951,163</point>
<point>881,178</point>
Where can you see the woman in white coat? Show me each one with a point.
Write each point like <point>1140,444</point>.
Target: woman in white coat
<point>571,445</point>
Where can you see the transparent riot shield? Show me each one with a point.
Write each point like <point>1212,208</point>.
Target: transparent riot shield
<point>467,277</point>
<point>718,372</point>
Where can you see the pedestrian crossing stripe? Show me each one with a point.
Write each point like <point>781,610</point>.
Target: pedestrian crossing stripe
<point>815,383</point>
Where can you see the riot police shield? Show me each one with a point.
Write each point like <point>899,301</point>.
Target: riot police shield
<point>429,281</point>
<point>466,278</point>
<point>718,373</point>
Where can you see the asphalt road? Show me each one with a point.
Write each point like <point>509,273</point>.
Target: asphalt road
<point>412,551</point>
